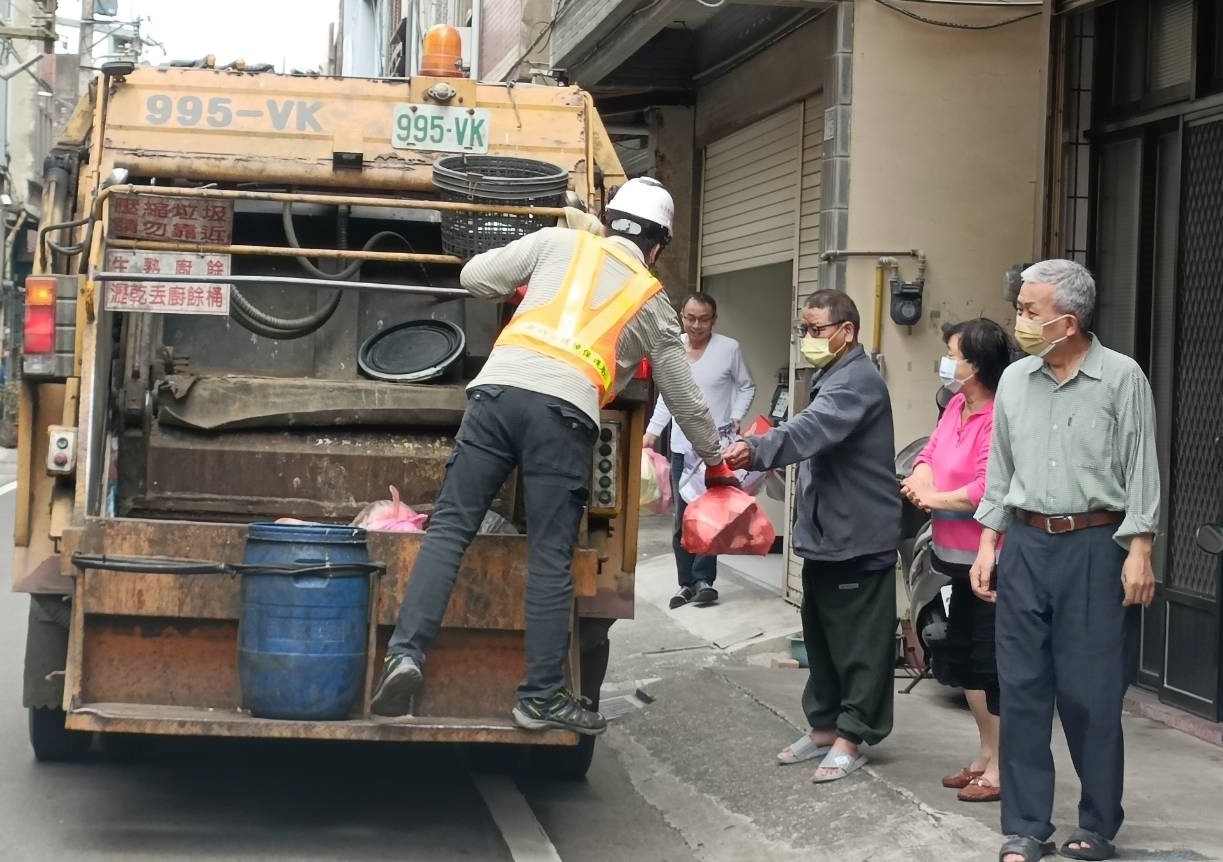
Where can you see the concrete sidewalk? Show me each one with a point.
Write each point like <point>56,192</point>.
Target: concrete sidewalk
<point>703,751</point>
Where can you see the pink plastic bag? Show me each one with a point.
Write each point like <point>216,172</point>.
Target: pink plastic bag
<point>391,516</point>
<point>726,520</point>
<point>655,482</point>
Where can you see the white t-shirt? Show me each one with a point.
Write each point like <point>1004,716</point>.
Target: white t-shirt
<point>724,378</point>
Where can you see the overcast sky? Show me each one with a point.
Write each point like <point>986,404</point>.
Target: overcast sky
<point>287,33</point>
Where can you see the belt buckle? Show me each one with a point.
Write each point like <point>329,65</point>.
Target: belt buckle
<point>1068,520</point>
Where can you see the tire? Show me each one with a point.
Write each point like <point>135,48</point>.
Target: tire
<point>51,741</point>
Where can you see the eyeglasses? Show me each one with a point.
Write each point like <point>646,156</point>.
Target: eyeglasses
<point>803,329</point>
<point>696,321</point>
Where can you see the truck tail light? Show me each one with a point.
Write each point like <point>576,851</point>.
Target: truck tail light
<point>39,330</point>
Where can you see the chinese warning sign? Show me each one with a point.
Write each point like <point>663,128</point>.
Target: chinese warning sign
<point>167,297</point>
<point>171,219</point>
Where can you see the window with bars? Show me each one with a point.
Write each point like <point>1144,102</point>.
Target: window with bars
<point>1076,151</point>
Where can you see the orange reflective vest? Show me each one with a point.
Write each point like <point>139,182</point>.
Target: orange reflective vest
<point>571,328</point>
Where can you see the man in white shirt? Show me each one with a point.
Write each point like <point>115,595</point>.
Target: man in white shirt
<point>722,374</point>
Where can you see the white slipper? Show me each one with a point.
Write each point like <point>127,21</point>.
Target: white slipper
<point>843,763</point>
<point>801,749</point>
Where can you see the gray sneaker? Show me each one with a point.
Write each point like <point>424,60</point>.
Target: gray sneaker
<point>561,710</point>
<point>401,680</point>
<point>705,593</point>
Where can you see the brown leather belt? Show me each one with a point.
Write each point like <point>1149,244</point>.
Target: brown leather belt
<point>1057,524</point>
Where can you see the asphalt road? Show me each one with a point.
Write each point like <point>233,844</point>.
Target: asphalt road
<point>257,800</point>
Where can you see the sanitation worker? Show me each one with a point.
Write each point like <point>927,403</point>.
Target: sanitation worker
<point>590,313</point>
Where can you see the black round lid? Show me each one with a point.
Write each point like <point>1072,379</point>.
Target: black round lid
<point>413,350</point>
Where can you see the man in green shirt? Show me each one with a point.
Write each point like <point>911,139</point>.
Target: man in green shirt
<point>1073,481</point>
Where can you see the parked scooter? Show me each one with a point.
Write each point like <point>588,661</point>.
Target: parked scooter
<point>926,626</point>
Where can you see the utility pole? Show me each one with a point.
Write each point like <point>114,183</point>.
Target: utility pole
<point>88,9</point>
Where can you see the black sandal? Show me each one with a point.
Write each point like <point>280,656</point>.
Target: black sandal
<point>1098,847</point>
<point>1029,848</point>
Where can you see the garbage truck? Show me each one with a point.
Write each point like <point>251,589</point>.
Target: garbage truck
<point>245,310</point>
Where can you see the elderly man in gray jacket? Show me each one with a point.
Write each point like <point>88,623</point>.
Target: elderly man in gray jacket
<point>846,529</point>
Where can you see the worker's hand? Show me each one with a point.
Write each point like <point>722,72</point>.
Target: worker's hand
<point>982,575</point>
<point>738,455</point>
<point>720,474</point>
<point>649,441</point>
<point>1138,577</point>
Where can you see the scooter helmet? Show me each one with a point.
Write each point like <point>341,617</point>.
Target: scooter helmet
<point>642,207</point>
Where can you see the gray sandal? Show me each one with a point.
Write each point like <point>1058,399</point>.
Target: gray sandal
<point>1098,847</point>
<point>801,749</point>
<point>1029,848</point>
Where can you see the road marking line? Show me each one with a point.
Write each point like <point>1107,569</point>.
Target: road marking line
<point>522,832</point>
<point>5,489</point>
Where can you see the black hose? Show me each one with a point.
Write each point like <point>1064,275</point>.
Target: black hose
<point>179,566</point>
<point>280,328</point>
<point>284,329</point>
<point>349,271</point>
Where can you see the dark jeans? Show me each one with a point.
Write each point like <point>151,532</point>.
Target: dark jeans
<point>1063,639</point>
<point>552,443</point>
<point>968,653</point>
<point>690,568</point>
<point>849,628</point>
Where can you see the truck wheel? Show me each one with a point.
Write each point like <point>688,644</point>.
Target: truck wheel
<point>572,762</point>
<point>51,741</point>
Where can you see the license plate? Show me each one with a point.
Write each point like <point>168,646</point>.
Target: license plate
<point>439,128</point>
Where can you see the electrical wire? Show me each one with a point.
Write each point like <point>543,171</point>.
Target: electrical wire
<point>984,4</point>
<point>954,25</point>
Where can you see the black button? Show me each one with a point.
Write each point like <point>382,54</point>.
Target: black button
<point>605,465</point>
<point>605,435</point>
<point>605,449</point>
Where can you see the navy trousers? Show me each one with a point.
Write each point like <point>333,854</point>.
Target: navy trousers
<point>552,443</point>
<point>690,568</point>
<point>1063,639</point>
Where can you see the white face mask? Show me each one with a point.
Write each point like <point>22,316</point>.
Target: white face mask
<point>946,373</point>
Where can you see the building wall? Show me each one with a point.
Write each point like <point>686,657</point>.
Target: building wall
<point>946,143</point>
<point>671,139</point>
<point>500,37</point>
<point>786,73</point>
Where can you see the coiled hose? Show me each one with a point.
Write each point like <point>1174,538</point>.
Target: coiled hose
<point>286,329</point>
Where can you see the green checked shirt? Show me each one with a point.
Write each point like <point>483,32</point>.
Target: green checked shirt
<point>1085,444</point>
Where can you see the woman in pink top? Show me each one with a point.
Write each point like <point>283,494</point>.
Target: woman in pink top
<point>948,481</point>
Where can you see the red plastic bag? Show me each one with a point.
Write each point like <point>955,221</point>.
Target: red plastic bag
<point>726,520</point>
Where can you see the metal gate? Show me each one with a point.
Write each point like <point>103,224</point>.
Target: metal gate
<point>1194,630</point>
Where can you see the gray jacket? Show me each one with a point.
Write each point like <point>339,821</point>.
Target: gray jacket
<point>848,499</point>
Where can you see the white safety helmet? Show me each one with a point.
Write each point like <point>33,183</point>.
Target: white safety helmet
<point>638,206</point>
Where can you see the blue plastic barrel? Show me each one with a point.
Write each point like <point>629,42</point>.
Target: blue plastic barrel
<point>305,616</point>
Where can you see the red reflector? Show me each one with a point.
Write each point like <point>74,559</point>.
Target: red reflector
<point>39,329</point>
<point>643,370</point>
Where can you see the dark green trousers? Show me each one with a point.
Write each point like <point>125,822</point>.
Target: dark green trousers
<point>849,626</point>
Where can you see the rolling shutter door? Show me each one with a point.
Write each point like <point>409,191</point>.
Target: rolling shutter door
<point>750,199</point>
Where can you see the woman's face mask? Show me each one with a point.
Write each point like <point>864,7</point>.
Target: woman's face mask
<point>947,368</point>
